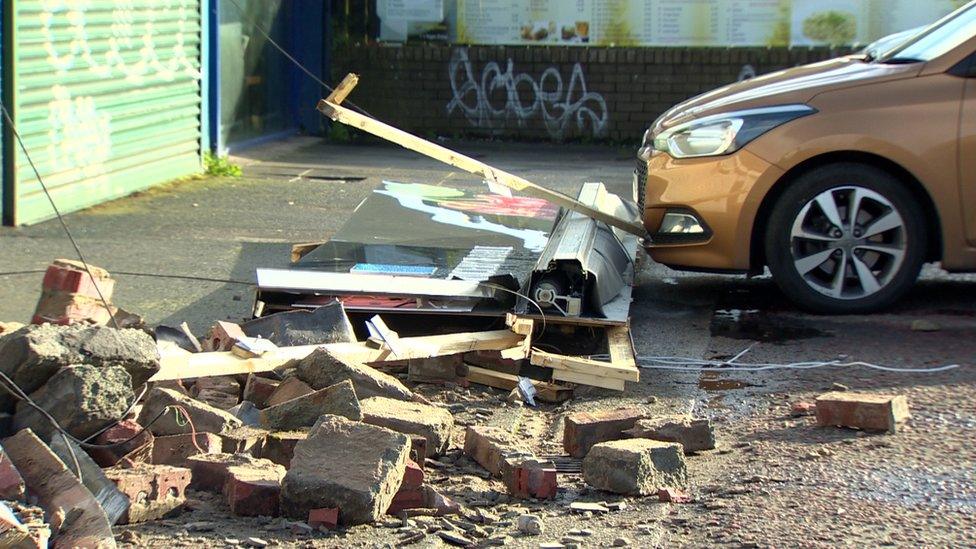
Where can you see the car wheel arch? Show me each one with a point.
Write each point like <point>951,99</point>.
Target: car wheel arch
<point>757,259</point>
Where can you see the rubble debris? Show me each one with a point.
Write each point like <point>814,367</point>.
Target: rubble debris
<point>125,439</point>
<point>247,412</point>
<point>411,494</point>
<point>111,500</point>
<point>504,456</point>
<point>76,518</point>
<point>339,399</point>
<point>280,447</point>
<point>167,404</point>
<point>174,449</point>
<point>222,336</point>
<point>325,324</point>
<point>154,491</point>
<point>588,507</point>
<point>11,483</point>
<point>254,488</point>
<point>259,389</point>
<point>9,327</point>
<point>585,429</point>
<point>168,339</point>
<point>441,369</point>
<point>31,355</point>
<point>324,517</point>
<point>322,369</point>
<point>530,525</point>
<point>83,399</point>
<point>800,409</point>
<point>252,347</point>
<point>673,495</point>
<point>356,467</point>
<point>22,527</point>
<point>244,440</point>
<point>636,467</point>
<point>222,392</point>
<point>925,325</point>
<point>867,411</point>
<point>290,388</point>
<point>411,418</point>
<point>694,435</point>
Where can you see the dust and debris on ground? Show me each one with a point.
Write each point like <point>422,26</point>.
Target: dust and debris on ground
<point>324,451</point>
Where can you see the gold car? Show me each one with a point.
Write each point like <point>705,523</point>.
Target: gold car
<point>843,177</point>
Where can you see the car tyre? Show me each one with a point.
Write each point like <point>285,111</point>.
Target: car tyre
<point>827,262</point>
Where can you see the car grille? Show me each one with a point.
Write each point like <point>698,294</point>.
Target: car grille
<point>641,172</point>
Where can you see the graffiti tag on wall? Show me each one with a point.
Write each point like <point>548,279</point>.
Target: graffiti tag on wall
<point>498,98</point>
<point>139,49</point>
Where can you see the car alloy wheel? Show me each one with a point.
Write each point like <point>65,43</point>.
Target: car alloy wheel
<point>848,242</point>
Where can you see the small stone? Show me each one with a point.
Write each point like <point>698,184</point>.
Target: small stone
<point>635,466</point>
<point>256,542</point>
<point>585,507</point>
<point>454,538</point>
<point>531,525</point>
<point>622,542</point>
<point>839,387</point>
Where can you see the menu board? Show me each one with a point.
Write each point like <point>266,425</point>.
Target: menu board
<point>686,22</point>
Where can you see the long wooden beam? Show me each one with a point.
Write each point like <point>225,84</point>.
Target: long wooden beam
<point>409,141</point>
<point>194,365</point>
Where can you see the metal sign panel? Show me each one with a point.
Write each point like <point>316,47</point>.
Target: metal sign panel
<point>106,95</point>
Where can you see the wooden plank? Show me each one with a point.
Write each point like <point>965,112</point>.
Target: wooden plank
<point>547,392</point>
<point>343,90</point>
<point>621,347</point>
<point>195,365</point>
<point>584,379</point>
<point>584,366</point>
<point>468,164</point>
<point>524,327</point>
<point>299,251</point>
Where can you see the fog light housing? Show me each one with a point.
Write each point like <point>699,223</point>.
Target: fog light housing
<point>681,223</point>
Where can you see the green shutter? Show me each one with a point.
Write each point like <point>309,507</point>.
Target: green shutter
<point>106,97</point>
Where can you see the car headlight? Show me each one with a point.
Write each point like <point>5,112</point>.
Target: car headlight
<point>724,133</point>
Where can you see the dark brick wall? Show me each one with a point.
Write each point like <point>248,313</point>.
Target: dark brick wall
<point>544,93</point>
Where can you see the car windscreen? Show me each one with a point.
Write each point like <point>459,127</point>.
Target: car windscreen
<point>940,38</point>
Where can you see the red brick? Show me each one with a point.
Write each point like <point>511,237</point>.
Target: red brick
<point>585,429</point>
<point>488,446</point>
<point>327,517</point>
<point>70,277</point>
<point>413,477</point>
<point>244,440</point>
<point>672,495</point>
<point>154,491</point>
<point>532,478</point>
<point>65,308</point>
<point>800,409</point>
<point>254,490</point>
<point>280,447</point>
<point>174,449</point>
<point>290,388</point>
<point>407,498</point>
<point>11,483</point>
<point>258,390</point>
<point>137,449</point>
<point>866,411</point>
<point>222,336</point>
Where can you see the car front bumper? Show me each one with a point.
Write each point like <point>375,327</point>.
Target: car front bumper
<point>700,212</point>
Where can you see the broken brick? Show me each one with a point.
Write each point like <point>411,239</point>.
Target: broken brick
<point>290,388</point>
<point>339,400</point>
<point>257,390</point>
<point>585,429</point>
<point>174,449</point>
<point>324,517</point>
<point>167,404</point>
<point>154,491</point>
<point>636,466</point>
<point>244,440</point>
<point>65,275</point>
<point>254,489</point>
<point>413,476</point>
<point>800,409</point>
<point>223,392</point>
<point>694,435</point>
<point>411,418</point>
<point>11,483</point>
<point>870,412</point>
<point>132,442</point>
<point>531,478</point>
<point>489,445</point>
<point>673,495</point>
<point>280,447</point>
<point>211,471</point>
<point>222,336</point>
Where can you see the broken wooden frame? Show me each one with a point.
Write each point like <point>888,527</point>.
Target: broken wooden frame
<point>330,106</point>
<point>513,344</point>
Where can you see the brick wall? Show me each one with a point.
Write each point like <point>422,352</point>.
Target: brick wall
<point>544,93</point>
